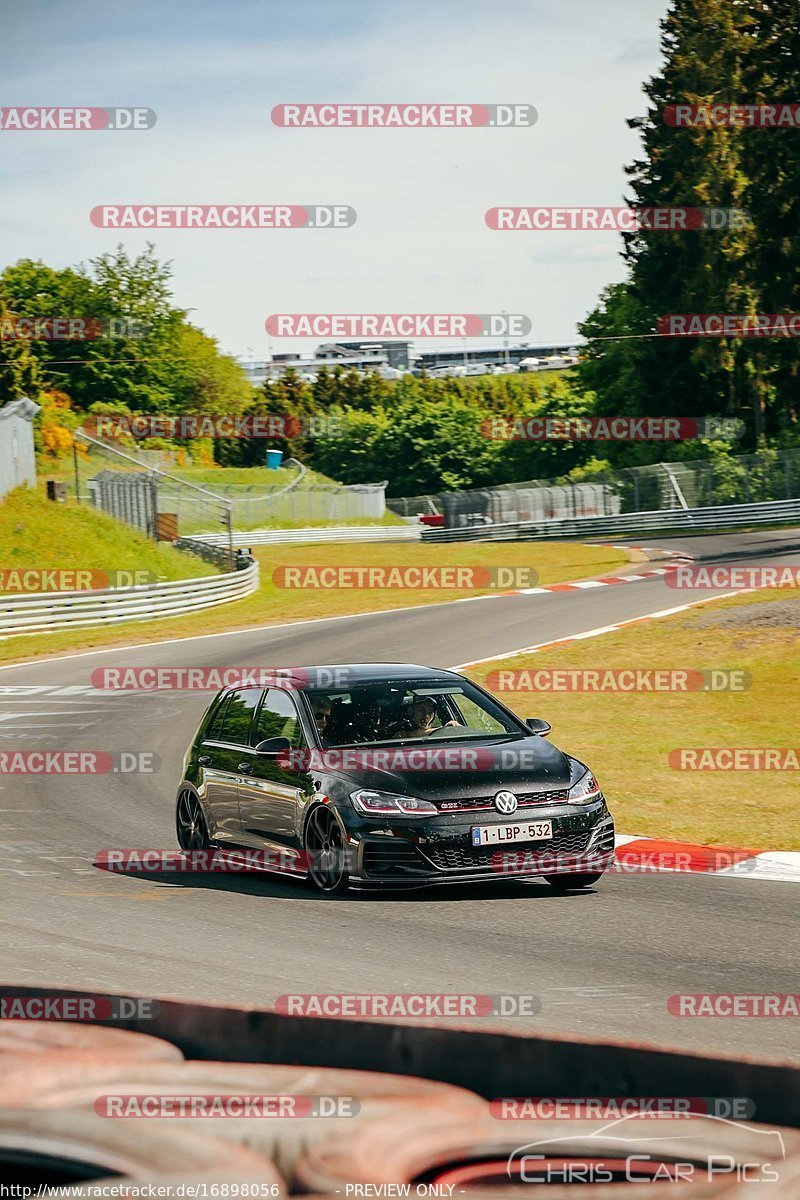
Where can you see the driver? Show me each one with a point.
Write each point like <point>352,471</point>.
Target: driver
<point>420,719</point>
<point>321,708</point>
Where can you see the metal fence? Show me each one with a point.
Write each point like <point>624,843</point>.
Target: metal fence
<point>132,498</point>
<point>160,505</point>
<point>48,612</point>
<point>303,502</point>
<point>102,476</point>
<point>740,479</point>
<point>666,521</point>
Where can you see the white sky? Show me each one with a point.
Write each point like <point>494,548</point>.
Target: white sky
<point>213,73</point>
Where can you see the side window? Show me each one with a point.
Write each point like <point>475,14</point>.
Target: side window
<point>238,716</point>
<point>215,728</point>
<point>278,718</point>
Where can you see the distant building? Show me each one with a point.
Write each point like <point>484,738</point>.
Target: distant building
<point>17,456</point>
<point>497,355</point>
<point>390,357</point>
<point>395,354</point>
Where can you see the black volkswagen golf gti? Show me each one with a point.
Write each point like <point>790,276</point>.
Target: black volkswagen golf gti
<point>388,775</point>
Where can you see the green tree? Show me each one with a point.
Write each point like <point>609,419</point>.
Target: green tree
<point>151,359</point>
<point>19,369</point>
<point>715,51</point>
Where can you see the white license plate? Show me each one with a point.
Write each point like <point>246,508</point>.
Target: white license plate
<point>524,831</point>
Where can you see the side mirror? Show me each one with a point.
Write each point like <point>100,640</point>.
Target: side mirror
<point>272,747</point>
<point>542,728</point>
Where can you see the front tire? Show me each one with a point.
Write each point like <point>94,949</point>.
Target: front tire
<point>567,882</point>
<point>191,823</point>
<point>325,845</point>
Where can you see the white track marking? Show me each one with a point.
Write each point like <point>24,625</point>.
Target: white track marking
<point>574,637</point>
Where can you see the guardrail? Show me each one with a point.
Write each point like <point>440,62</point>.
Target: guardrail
<point>661,521</point>
<point>327,533</point>
<point>216,552</point>
<point>50,611</point>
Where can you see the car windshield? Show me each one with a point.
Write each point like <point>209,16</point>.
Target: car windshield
<point>398,711</point>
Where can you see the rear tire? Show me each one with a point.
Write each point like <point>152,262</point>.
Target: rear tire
<point>567,882</point>
<point>191,823</point>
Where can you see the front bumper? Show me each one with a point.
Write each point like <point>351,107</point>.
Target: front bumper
<point>441,852</point>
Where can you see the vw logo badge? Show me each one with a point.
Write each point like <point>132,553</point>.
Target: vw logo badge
<point>506,803</point>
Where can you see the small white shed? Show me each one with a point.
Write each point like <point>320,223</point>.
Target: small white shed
<point>17,457</point>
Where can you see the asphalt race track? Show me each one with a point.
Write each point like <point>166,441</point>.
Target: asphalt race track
<point>603,963</point>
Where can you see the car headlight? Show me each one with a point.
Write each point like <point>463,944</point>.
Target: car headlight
<point>585,790</point>
<point>387,804</point>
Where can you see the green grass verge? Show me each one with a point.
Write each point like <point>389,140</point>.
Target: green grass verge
<point>37,533</point>
<point>627,737</point>
<point>553,562</point>
<point>256,477</point>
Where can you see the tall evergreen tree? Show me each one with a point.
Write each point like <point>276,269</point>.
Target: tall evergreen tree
<point>715,52</point>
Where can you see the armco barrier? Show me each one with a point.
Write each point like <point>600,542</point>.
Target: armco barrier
<point>661,521</point>
<point>49,611</point>
<point>326,533</point>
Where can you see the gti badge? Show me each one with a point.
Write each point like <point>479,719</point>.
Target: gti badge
<point>506,803</point>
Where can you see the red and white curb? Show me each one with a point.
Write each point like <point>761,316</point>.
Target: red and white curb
<point>603,581</point>
<point>578,585</point>
<point>645,855</point>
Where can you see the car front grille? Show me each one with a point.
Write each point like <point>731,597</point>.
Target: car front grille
<point>465,858</point>
<point>524,799</point>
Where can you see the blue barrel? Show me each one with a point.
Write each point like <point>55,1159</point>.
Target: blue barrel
<point>274,459</point>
